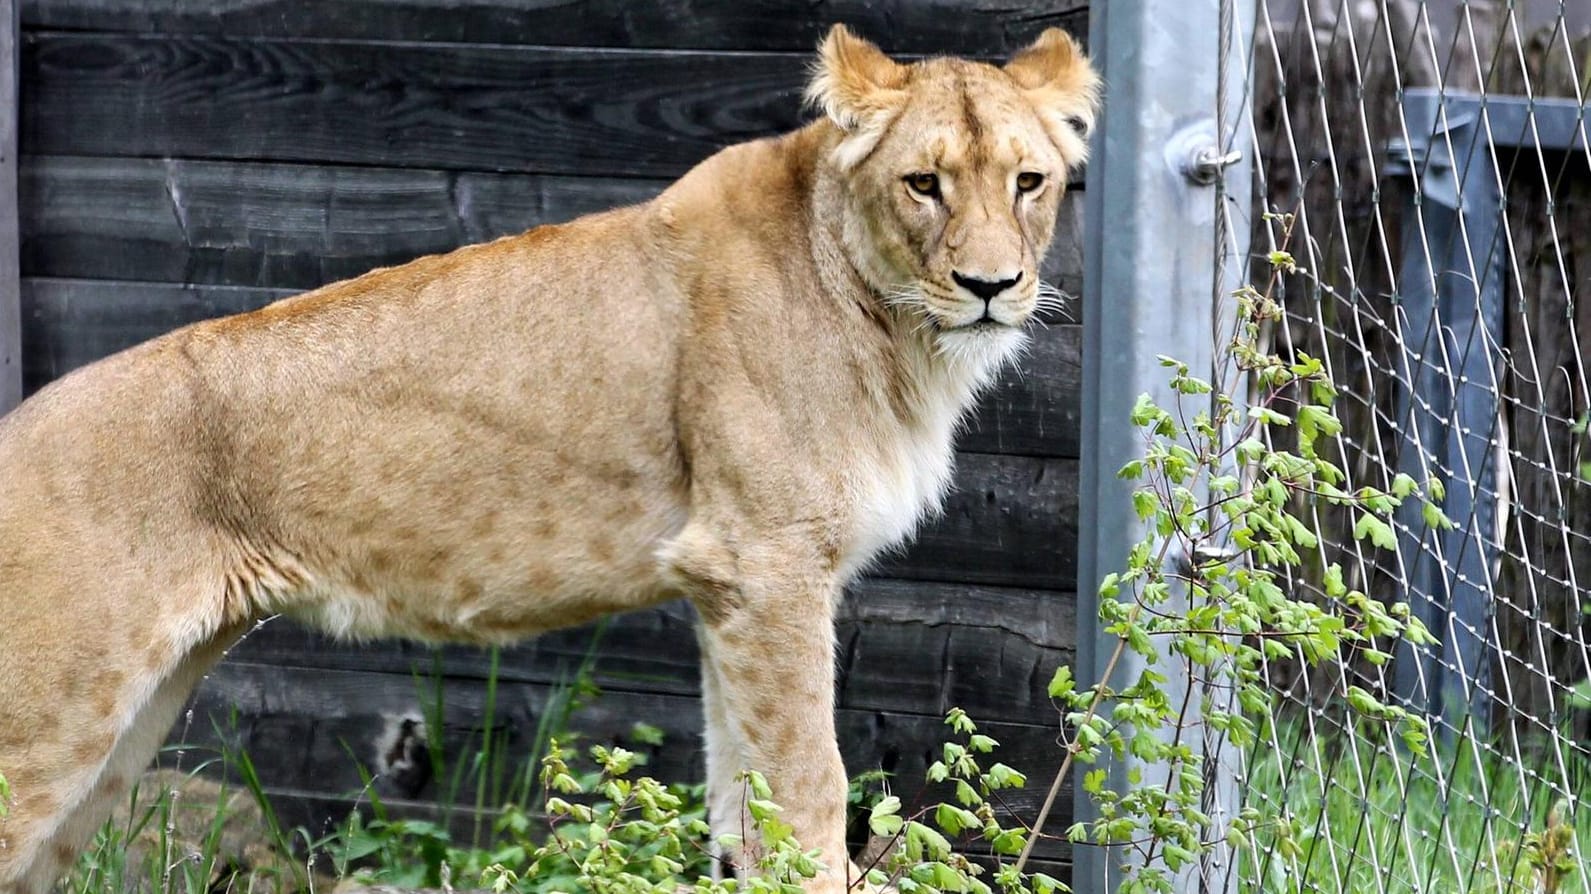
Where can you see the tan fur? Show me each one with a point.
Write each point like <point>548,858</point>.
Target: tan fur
<point>739,392</point>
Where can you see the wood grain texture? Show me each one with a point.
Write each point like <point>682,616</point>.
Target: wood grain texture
<point>1032,411</point>
<point>484,107</point>
<point>1008,521</point>
<point>902,646</point>
<point>316,729</point>
<point>966,27</point>
<point>71,323</point>
<point>10,272</point>
<point>302,226</point>
<point>634,113</point>
<point>275,225</point>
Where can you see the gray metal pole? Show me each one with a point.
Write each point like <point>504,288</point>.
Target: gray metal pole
<point>1451,303</point>
<point>10,278</point>
<point>1157,257</point>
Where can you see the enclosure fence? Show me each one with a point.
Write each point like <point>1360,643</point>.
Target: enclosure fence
<point>1426,164</point>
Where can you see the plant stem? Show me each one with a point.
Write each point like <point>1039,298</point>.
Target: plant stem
<point>1066,763</point>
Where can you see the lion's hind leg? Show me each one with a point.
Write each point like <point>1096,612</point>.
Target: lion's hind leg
<point>68,757</point>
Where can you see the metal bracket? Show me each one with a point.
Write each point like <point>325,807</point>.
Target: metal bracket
<point>1208,163</point>
<point>1195,152</point>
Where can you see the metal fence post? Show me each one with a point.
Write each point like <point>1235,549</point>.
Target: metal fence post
<point>1160,251</point>
<point>10,279</point>
<point>1451,319</point>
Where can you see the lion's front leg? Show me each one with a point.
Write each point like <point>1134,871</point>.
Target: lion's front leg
<point>768,681</point>
<point>775,688</point>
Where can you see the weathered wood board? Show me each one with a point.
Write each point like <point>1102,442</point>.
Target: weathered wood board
<point>966,27</point>
<point>634,113</point>
<point>901,646</point>
<point>301,226</point>
<point>329,731</point>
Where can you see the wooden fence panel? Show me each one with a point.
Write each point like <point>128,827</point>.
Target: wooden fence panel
<point>965,27</point>
<point>651,113</point>
<point>297,226</point>
<point>318,730</point>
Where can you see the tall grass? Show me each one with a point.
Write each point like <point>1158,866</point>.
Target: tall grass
<point>184,833</point>
<point>181,831</point>
<point>462,836</point>
<point>1361,815</point>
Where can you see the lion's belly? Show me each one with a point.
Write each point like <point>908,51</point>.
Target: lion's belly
<point>499,574</point>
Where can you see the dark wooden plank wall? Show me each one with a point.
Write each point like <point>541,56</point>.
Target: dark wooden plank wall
<point>189,159</point>
<point>10,273</point>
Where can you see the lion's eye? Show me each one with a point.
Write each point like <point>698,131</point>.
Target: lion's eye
<point>924,183</point>
<point>1028,181</point>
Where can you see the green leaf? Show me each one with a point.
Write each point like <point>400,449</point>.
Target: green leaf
<point>1062,684</point>
<point>955,820</point>
<point>958,720</point>
<point>1377,531</point>
<point>1320,420</point>
<point>1269,416</point>
<point>883,819</point>
<point>759,784</point>
<point>1002,776</point>
<point>764,809</point>
<point>1144,410</point>
<point>1044,884</point>
<point>1335,588</point>
<point>1110,585</point>
<point>1009,841</point>
<point>646,734</point>
<point>1365,703</point>
<point>1144,504</point>
<point>924,840</point>
<point>966,794</point>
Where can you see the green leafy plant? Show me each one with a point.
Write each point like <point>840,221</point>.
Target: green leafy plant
<point>1551,857</point>
<point>610,834</point>
<point>925,857</point>
<point>1204,597</point>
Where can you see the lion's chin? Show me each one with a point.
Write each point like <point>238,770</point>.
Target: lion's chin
<point>984,344</point>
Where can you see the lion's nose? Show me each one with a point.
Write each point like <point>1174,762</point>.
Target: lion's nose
<point>985,289</point>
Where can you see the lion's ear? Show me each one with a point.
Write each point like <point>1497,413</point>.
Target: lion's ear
<point>1062,85</point>
<point>854,83</point>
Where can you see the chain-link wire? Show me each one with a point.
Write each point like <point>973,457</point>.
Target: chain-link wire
<point>1427,164</point>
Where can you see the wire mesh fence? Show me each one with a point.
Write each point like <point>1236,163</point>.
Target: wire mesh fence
<point>1427,165</point>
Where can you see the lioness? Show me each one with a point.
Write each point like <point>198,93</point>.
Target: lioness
<point>737,393</point>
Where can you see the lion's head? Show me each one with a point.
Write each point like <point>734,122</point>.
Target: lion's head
<point>954,170</point>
